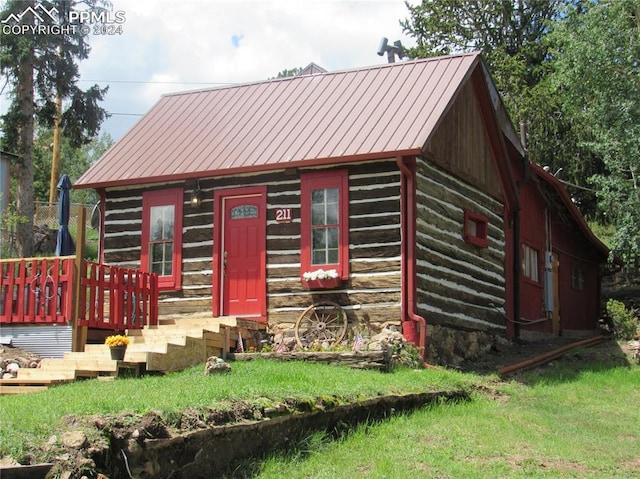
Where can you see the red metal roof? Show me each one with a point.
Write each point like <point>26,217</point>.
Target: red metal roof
<point>571,208</point>
<point>367,113</point>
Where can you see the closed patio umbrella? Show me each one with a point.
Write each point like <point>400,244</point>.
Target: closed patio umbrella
<point>65,245</point>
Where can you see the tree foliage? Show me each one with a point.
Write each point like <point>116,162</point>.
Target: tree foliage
<point>74,162</point>
<point>597,75</point>
<point>513,38</point>
<point>567,68</point>
<point>36,67</point>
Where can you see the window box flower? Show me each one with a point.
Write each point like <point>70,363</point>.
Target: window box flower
<point>321,279</point>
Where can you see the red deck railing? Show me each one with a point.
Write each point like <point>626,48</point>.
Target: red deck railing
<point>117,298</point>
<point>36,290</point>
<point>41,290</point>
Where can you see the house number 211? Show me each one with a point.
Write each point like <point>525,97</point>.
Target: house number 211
<point>283,215</point>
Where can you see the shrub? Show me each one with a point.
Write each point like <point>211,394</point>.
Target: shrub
<point>625,322</point>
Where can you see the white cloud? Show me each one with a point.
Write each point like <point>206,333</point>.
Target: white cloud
<point>206,43</point>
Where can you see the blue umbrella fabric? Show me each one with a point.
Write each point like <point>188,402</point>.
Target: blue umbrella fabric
<point>65,245</point>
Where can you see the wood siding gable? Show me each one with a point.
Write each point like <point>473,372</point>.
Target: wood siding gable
<point>460,145</point>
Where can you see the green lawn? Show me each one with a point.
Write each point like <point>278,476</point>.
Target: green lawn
<point>562,425</point>
<point>573,420</point>
<point>33,418</point>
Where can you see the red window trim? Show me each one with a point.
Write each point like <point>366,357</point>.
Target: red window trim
<point>324,179</point>
<point>481,237</point>
<point>175,197</point>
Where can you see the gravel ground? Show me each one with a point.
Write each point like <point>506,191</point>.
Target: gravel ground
<point>509,354</point>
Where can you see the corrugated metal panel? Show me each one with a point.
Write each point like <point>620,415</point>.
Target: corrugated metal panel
<point>366,113</point>
<point>47,341</point>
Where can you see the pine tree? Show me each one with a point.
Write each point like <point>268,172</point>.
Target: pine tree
<point>37,67</point>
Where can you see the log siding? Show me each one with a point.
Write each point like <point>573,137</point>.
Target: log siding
<point>372,293</point>
<point>459,285</point>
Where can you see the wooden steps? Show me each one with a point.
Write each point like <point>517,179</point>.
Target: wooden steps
<point>176,343</point>
<point>31,384</point>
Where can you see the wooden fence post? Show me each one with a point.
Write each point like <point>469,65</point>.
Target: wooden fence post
<point>79,336</point>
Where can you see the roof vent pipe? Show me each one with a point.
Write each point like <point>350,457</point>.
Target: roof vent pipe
<point>391,50</point>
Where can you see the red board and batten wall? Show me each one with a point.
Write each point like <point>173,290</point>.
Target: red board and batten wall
<point>550,222</point>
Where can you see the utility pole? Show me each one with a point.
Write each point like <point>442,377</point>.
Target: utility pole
<point>55,155</point>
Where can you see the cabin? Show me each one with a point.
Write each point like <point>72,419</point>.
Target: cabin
<point>562,261</point>
<point>385,193</point>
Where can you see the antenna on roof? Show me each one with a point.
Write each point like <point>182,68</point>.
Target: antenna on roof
<point>391,50</point>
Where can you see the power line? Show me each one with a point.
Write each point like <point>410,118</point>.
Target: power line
<point>125,114</point>
<point>576,186</point>
<point>158,82</point>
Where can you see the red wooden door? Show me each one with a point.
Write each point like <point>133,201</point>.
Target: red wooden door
<point>243,268</point>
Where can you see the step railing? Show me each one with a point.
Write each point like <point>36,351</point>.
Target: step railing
<point>117,298</point>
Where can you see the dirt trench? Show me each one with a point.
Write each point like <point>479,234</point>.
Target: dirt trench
<point>198,449</point>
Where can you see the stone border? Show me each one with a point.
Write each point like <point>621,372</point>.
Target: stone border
<point>380,360</point>
<point>219,450</point>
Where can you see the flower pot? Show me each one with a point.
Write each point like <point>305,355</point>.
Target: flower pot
<point>326,283</point>
<point>117,352</point>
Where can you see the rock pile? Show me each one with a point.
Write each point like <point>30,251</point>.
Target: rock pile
<point>386,339</point>
<point>216,365</point>
<point>12,359</point>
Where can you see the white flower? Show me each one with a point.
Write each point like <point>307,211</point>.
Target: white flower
<point>320,274</point>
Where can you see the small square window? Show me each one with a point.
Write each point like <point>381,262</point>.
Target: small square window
<point>476,229</point>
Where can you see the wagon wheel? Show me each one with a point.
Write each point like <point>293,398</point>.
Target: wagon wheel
<point>321,322</point>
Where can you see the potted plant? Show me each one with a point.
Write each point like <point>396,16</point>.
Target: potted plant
<point>321,279</point>
<point>117,345</point>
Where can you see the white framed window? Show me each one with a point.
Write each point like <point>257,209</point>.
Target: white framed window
<point>530,263</point>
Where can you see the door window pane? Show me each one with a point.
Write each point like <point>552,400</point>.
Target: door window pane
<point>244,211</point>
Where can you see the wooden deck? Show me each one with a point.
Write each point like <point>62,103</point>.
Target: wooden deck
<point>176,343</point>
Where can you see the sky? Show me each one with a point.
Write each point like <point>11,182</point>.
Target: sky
<point>165,46</point>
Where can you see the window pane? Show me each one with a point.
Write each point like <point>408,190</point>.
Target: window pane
<point>317,215</point>
<point>168,222</point>
<point>168,256</point>
<point>331,195</point>
<point>471,228</point>
<point>161,226</point>
<point>161,258</point>
<point>530,262</point>
<point>333,237</point>
<point>332,214</point>
<point>317,197</point>
<point>324,246</point>
<point>244,211</point>
<point>324,207</point>
<point>319,239</point>
<point>319,257</point>
<point>157,224</point>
